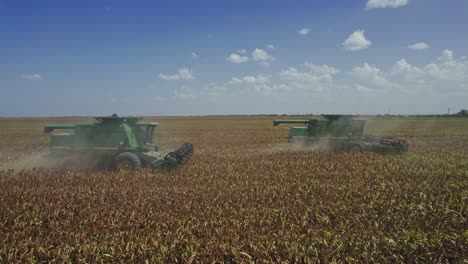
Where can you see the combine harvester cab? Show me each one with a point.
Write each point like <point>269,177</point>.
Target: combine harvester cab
<point>122,143</point>
<point>342,133</point>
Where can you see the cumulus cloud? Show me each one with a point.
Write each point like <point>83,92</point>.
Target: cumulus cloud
<point>443,75</point>
<point>262,56</point>
<point>313,78</point>
<point>408,78</point>
<point>259,55</point>
<point>406,71</point>
<point>370,76</point>
<point>356,41</point>
<point>419,46</point>
<point>248,79</point>
<point>372,4</point>
<point>448,69</point>
<point>182,74</point>
<point>364,88</point>
<point>32,77</point>
<point>304,31</point>
<point>195,55</point>
<point>242,51</point>
<point>260,84</point>
<point>447,56</point>
<point>321,69</point>
<point>237,59</point>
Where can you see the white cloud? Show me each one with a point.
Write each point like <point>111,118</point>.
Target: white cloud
<point>237,59</point>
<point>304,31</point>
<point>260,84</point>
<point>195,55</point>
<point>242,51</point>
<point>249,79</point>
<point>403,68</point>
<point>356,41</point>
<point>447,56</point>
<point>443,75</point>
<point>448,69</point>
<point>371,4</point>
<point>370,76</point>
<point>32,77</point>
<point>321,69</point>
<point>271,46</point>
<point>182,74</point>
<point>407,77</point>
<point>366,88</point>
<point>419,46</point>
<point>262,56</point>
<point>446,74</point>
<point>314,78</point>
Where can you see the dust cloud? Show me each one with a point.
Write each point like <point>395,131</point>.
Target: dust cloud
<point>39,159</point>
<point>320,145</point>
<point>44,160</point>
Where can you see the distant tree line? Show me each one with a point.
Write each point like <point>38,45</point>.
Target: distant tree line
<point>463,113</point>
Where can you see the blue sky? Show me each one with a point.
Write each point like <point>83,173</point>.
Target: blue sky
<point>232,57</point>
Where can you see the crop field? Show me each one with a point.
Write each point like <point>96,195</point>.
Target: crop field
<point>246,195</point>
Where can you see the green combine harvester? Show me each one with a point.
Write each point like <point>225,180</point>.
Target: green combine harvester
<point>342,133</point>
<point>121,143</point>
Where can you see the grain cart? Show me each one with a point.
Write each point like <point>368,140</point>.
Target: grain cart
<point>122,143</point>
<point>341,132</point>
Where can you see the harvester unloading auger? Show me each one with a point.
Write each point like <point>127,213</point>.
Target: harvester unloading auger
<point>122,143</point>
<point>341,132</point>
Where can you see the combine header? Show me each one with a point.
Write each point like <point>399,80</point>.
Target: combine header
<point>122,143</point>
<point>341,132</point>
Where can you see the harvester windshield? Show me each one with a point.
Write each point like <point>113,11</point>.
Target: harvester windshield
<point>147,134</point>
